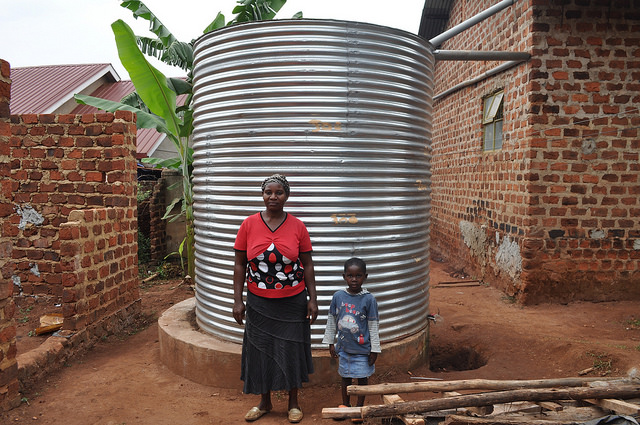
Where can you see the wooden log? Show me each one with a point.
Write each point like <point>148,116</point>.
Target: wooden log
<point>469,420</point>
<point>343,412</point>
<point>406,419</point>
<point>469,384</point>
<point>618,406</point>
<point>478,410</point>
<point>483,399</point>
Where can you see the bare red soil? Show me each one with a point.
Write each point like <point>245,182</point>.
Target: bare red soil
<point>481,333</point>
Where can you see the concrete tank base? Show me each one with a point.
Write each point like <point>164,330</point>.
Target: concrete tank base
<point>207,360</point>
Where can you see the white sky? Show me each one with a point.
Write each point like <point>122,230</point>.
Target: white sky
<point>58,32</point>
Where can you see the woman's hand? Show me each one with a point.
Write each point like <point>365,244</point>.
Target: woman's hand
<point>372,358</point>
<point>239,274</point>
<point>312,311</point>
<point>332,351</point>
<point>310,282</point>
<point>238,312</point>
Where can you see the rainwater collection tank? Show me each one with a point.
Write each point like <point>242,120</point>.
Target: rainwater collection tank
<point>343,109</point>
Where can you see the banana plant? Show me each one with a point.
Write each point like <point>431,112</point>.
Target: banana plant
<point>155,96</point>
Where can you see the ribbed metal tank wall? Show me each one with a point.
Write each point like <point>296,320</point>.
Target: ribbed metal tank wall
<point>343,109</point>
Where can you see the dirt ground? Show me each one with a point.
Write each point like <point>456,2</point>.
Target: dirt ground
<point>480,333</point>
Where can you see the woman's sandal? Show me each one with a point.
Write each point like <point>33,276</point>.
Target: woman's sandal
<point>295,415</point>
<point>254,414</point>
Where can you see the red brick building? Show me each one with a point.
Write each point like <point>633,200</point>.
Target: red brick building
<point>536,171</point>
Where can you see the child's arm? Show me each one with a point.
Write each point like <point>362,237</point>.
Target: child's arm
<point>330,334</point>
<point>374,336</point>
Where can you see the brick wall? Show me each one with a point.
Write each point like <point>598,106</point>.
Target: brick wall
<point>554,215</point>
<point>9,387</point>
<point>98,258</point>
<point>62,163</point>
<point>69,229</point>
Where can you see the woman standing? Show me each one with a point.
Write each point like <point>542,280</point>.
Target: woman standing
<point>273,253</point>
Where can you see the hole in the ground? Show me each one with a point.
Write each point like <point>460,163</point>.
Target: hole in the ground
<point>447,359</point>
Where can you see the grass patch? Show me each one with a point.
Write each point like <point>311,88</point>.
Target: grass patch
<point>633,323</point>
<point>509,299</point>
<point>601,362</point>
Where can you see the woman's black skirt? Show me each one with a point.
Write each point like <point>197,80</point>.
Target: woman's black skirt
<point>276,350</point>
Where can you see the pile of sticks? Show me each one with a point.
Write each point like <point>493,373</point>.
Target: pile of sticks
<point>604,392</point>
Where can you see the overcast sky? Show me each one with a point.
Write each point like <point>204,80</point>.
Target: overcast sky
<point>57,32</point>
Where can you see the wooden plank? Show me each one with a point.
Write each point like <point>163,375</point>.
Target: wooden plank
<point>470,384</point>
<point>453,282</point>
<point>619,406</point>
<point>406,419</point>
<point>483,399</point>
<point>550,405</point>
<point>516,407</point>
<point>470,420</point>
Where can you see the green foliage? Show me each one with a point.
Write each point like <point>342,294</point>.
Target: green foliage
<point>24,314</point>
<point>633,323</point>
<point>143,195</point>
<point>601,362</point>
<point>144,248</point>
<point>155,98</point>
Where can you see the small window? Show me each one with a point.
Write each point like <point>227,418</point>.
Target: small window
<point>492,121</point>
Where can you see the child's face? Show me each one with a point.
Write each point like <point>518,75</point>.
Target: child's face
<point>354,278</point>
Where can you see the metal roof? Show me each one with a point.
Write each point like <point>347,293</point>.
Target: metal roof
<point>43,89</point>
<point>435,16</point>
<point>148,139</point>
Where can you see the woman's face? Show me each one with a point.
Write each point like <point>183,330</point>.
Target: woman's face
<point>274,196</point>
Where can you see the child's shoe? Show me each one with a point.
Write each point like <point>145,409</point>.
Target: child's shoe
<point>341,407</point>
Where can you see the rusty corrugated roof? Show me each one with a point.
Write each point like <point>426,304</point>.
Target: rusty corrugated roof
<point>42,89</point>
<point>147,139</point>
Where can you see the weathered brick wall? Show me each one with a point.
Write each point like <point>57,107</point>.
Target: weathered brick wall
<point>9,386</point>
<point>61,163</point>
<point>584,169</point>
<point>564,187</point>
<point>479,199</point>
<point>158,226</point>
<point>98,258</point>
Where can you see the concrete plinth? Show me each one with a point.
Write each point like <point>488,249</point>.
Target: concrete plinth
<point>207,360</point>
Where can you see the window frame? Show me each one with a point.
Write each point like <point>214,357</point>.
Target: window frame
<point>492,119</point>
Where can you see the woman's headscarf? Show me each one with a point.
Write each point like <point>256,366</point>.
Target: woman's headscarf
<point>277,178</point>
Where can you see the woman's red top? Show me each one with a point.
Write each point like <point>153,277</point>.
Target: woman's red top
<point>274,269</point>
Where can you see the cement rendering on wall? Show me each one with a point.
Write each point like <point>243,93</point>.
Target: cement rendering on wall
<point>508,257</point>
<point>28,215</point>
<point>475,238</point>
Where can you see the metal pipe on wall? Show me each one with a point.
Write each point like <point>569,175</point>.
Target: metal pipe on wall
<point>441,38</point>
<point>472,55</point>
<point>493,71</point>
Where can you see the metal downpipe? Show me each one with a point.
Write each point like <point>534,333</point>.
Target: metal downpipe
<point>439,39</point>
<point>494,71</point>
<point>473,55</point>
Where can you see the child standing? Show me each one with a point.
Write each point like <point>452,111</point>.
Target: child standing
<point>353,316</point>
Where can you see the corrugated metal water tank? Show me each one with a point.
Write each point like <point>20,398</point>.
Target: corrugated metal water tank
<point>343,109</point>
